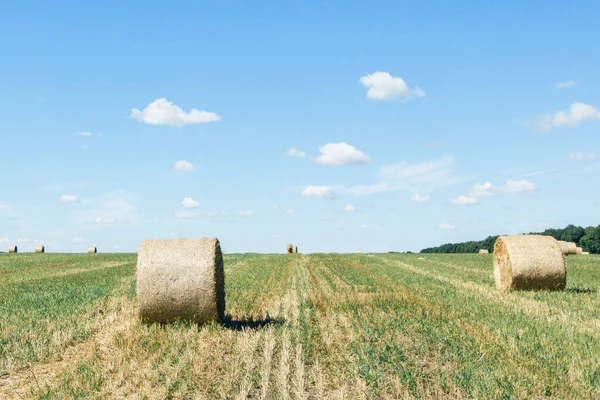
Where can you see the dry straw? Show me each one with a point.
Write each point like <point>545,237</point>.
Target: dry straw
<point>586,253</point>
<point>40,249</point>
<point>180,279</point>
<point>12,249</point>
<point>92,250</point>
<point>525,262</point>
<point>290,248</point>
<point>295,249</point>
<point>484,251</point>
<point>579,250</point>
<point>567,247</point>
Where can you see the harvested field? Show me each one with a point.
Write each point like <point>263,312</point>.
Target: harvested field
<point>339,326</point>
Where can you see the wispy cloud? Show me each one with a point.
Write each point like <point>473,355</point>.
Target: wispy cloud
<point>183,165</point>
<point>294,152</point>
<point>69,198</point>
<point>420,198</point>
<point>583,156</point>
<point>447,227</point>
<point>564,84</point>
<point>115,208</point>
<point>324,192</point>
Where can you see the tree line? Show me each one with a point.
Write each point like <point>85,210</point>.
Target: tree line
<point>586,238</point>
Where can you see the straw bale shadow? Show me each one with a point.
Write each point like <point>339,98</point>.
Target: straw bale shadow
<point>580,290</point>
<point>250,324</point>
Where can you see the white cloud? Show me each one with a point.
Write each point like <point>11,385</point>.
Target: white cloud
<point>364,226</point>
<point>85,133</point>
<point>290,211</point>
<point>69,198</point>
<point>350,208</point>
<point>183,165</point>
<point>479,190</point>
<point>4,241</point>
<point>190,203</point>
<point>565,84</point>
<point>383,86</point>
<point>420,198</point>
<point>164,112</point>
<point>583,156</point>
<point>78,240</point>
<point>318,191</point>
<point>340,154</point>
<point>576,113</point>
<point>294,152</point>
<point>186,215</point>
<point>463,200</point>
<point>245,213</point>
<point>447,227</point>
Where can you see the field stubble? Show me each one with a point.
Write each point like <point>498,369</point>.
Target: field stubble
<point>300,327</point>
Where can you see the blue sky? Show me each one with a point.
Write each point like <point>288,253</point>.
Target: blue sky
<point>334,125</point>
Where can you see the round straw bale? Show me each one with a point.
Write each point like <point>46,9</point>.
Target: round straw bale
<point>586,253</point>
<point>92,250</point>
<point>12,249</point>
<point>40,249</point>
<point>295,249</point>
<point>290,248</point>
<point>484,251</point>
<point>525,262</point>
<point>578,250</point>
<point>567,247</point>
<point>180,279</point>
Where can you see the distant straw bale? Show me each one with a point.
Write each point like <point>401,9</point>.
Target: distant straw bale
<point>12,249</point>
<point>525,262</point>
<point>295,249</point>
<point>40,249</point>
<point>290,248</point>
<point>180,279</point>
<point>585,253</point>
<point>578,250</point>
<point>92,250</point>
<point>567,247</point>
<point>484,251</point>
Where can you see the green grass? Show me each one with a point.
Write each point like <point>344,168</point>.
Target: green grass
<point>302,326</point>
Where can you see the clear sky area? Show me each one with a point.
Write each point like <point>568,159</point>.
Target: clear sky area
<point>334,125</point>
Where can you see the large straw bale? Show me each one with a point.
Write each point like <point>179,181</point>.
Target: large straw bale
<point>295,249</point>
<point>12,249</point>
<point>290,248</point>
<point>578,250</point>
<point>567,247</point>
<point>40,249</point>
<point>484,251</point>
<point>180,279</point>
<point>525,262</point>
<point>92,250</point>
